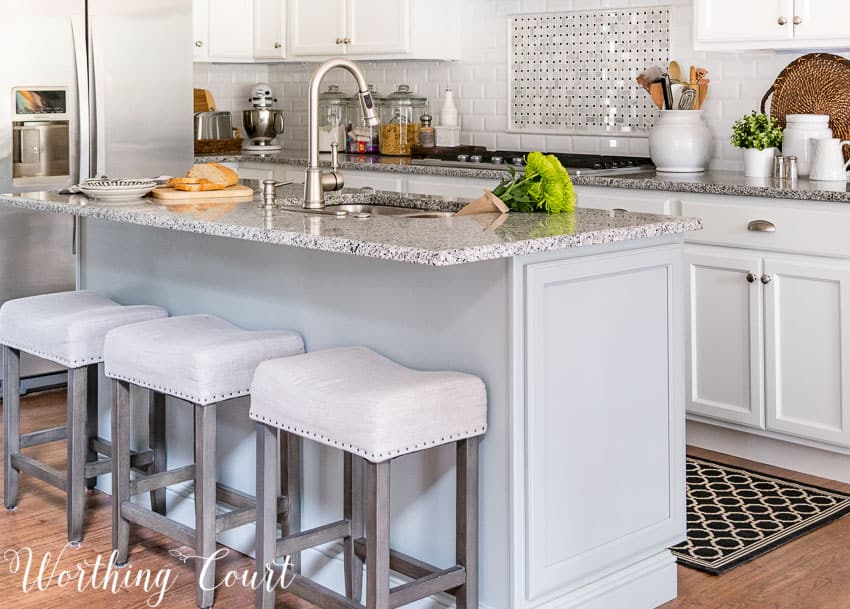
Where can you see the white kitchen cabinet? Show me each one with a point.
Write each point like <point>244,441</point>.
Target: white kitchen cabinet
<point>269,29</point>
<point>807,337</point>
<point>370,179</point>
<point>239,31</point>
<point>374,29</point>
<point>725,358</point>
<point>626,200</point>
<point>466,188</point>
<point>770,24</point>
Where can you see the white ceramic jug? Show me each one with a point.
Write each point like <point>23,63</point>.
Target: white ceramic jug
<point>828,164</point>
<point>802,132</point>
<point>680,142</point>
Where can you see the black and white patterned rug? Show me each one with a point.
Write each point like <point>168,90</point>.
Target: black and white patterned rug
<point>736,515</point>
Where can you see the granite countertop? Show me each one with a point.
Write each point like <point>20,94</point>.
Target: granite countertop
<point>439,241</point>
<point>728,183</point>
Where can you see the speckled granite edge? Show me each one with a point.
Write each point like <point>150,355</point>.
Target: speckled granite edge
<point>710,183</point>
<point>145,215</point>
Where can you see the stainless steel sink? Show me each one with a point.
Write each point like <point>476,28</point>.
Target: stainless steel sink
<point>368,211</point>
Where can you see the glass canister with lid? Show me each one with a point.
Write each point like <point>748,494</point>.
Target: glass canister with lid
<point>333,114</point>
<point>362,138</point>
<point>400,112</point>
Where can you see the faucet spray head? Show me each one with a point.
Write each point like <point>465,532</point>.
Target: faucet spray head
<point>367,104</point>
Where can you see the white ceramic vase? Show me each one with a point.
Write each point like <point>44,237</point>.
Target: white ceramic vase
<point>680,142</point>
<point>759,163</point>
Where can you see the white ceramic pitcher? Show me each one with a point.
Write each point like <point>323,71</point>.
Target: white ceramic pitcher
<point>828,164</point>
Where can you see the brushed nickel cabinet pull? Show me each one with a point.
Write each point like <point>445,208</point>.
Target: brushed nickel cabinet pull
<point>199,43</point>
<point>751,278</point>
<point>346,40</point>
<point>797,20</point>
<point>765,279</point>
<point>277,45</point>
<point>762,226</point>
<point>782,21</point>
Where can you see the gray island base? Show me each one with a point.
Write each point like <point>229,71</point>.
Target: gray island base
<point>577,333</point>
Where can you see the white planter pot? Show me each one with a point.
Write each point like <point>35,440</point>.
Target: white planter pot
<point>759,163</point>
<point>680,142</point>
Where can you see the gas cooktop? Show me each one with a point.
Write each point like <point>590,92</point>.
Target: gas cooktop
<point>576,164</point>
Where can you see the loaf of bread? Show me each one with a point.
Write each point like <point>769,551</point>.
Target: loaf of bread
<point>197,185</point>
<point>215,173</point>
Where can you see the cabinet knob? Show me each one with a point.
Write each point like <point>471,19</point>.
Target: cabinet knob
<point>797,20</point>
<point>765,279</point>
<point>782,21</point>
<point>277,45</point>
<point>346,40</point>
<point>751,278</point>
<point>762,226</point>
<point>339,40</point>
<point>199,43</point>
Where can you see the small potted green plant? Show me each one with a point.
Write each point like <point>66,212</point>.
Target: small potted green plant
<point>760,137</point>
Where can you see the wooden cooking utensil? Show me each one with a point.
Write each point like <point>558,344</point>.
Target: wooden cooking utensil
<point>204,101</point>
<point>656,92</point>
<point>675,71</point>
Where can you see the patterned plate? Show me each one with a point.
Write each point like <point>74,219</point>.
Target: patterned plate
<point>118,184</point>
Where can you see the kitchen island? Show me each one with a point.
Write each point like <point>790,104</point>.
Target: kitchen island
<point>574,322</point>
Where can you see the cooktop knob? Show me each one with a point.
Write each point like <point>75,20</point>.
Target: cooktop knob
<point>475,158</point>
<point>517,160</point>
<point>497,160</point>
<point>462,158</point>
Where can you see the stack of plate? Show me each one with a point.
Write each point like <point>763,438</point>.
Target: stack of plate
<point>117,190</point>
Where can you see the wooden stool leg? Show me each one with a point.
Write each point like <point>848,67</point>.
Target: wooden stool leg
<point>467,521</point>
<point>290,484</point>
<point>11,423</point>
<point>120,468</point>
<point>267,493</point>
<point>77,451</point>
<point>156,437</point>
<point>205,481</point>
<point>378,537</point>
<point>353,512</point>
<point>92,399</point>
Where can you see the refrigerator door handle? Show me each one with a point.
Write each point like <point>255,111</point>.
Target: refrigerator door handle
<point>78,34</point>
<point>97,100</point>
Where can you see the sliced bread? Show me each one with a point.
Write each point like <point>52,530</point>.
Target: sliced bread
<point>215,173</point>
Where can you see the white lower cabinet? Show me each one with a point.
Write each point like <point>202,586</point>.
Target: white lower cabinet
<point>768,342</point>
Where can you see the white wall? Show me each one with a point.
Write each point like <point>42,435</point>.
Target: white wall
<point>738,81</point>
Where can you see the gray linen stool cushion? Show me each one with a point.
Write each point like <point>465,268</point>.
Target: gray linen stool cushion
<point>361,402</point>
<point>67,327</point>
<point>200,358</point>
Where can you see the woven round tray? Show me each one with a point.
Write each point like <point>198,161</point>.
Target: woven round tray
<point>818,83</point>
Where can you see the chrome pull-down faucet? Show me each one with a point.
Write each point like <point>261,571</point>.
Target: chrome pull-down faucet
<point>317,182</point>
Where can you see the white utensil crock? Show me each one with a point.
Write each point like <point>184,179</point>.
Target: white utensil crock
<point>680,142</point>
<point>828,164</point>
<point>759,163</point>
<point>801,133</point>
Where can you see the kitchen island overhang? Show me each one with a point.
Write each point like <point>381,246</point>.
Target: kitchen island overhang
<point>581,347</point>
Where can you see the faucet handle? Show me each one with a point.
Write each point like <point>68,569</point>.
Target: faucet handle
<point>335,156</point>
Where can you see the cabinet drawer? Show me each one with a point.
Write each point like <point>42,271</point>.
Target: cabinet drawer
<point>795,230</point>
<point>634,201</point>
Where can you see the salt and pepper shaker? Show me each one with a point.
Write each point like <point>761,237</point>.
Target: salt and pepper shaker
<point>779,168</point>
<point>791,171</point>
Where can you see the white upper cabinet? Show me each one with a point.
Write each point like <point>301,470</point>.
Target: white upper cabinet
<point>269,29</point>
<point>770,24</point>
<point>374,29</point>
<point>239,31</point>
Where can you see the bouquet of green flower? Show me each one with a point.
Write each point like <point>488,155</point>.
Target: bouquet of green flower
<point>757,131</point>
<point>544,186</point>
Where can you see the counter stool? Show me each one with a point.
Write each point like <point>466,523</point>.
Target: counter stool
<point>374,409</point>
<point>67,328</point>
<point>203,360</point>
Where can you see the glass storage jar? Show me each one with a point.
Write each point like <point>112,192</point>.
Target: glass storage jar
<point>400,114</point>
<point>362,138</point>
<point>333,114</point>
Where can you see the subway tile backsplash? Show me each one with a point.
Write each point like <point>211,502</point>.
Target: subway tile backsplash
<point>480,81</point>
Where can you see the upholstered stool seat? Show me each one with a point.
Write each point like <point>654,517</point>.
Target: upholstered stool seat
<point>203,360</point>
<point>200,358</point>
<point>67,328</point>
<point>359,401</point>
<point>373,409</point>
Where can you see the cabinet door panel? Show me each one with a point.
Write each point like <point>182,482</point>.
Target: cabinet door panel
<point>806,338</point>
<point>725,337</point>
<point>200,29</point>
<point>231,33</point>
<point>315,25</point>
<point>378,26</point>
<point>733,20</point>
<point>822,20</point>
<point>269,28</point>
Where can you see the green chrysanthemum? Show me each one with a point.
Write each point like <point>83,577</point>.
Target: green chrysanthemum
<point>545,186</point>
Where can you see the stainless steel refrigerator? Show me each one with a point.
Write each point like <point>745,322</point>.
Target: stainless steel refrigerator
<point>87,88</point>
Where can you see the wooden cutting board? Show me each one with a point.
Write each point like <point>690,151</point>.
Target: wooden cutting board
<point>204,101</point>
<point>237,193</point>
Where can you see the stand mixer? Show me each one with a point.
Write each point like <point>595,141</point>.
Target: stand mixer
<point>262,123</point>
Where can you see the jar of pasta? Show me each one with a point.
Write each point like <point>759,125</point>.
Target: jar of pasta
<point>400,112</point>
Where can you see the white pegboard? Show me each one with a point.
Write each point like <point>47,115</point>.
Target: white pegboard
<point>574,72</point>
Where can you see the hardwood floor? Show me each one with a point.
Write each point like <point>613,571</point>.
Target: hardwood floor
<point>810,573</point>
